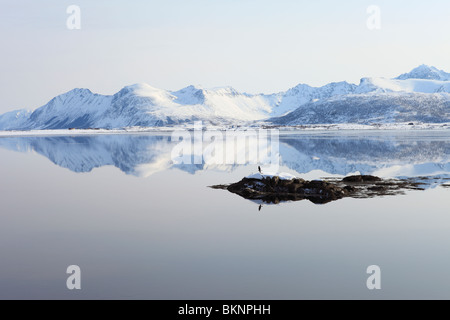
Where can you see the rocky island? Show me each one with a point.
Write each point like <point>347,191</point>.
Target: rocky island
<point>276,188</point>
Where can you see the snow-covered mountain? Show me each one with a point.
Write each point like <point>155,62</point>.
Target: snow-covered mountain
<point>427,73</point>
<point>420,95</point>
<point>372,108</point>
<point>14,119</point>
<point>146,106</point>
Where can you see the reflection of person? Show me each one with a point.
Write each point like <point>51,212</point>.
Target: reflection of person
<point>260,206</point>
<point>259,169</point>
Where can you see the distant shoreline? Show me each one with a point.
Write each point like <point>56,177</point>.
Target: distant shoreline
<point>283,129</point>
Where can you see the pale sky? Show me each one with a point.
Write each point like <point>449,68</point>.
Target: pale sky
<point>254,46</point>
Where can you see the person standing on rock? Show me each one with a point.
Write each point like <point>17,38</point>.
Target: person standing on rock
<point>259,169</point>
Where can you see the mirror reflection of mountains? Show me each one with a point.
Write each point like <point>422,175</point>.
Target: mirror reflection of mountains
<point>143,155</point>
<point>384,155</point>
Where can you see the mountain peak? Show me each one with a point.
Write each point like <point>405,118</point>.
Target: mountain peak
<point>143,90</point>
<point>425,72</point>
<point>138,87</point>
<point>193,94</point>
<point>194,87</point>
<point>226,90</point>
<point>76,91</point>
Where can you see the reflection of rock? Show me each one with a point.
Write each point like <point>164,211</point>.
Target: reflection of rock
<point>276,190</point>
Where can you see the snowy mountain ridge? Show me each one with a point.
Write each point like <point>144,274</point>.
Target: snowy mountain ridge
<point>145,106</point>
<point>426,73</point>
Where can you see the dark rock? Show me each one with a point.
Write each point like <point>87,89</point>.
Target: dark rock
<point>361,178</point>
<point>349,189</point>
<point>275,190</point>
<point>298,181</point>
<point>378,188</point>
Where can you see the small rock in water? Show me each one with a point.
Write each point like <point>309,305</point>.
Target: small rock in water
<point>273,189</point>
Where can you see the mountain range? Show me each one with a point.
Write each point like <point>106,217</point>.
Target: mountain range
<point>422,95</point>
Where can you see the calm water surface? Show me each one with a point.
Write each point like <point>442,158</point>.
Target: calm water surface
<point>141,227</point>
